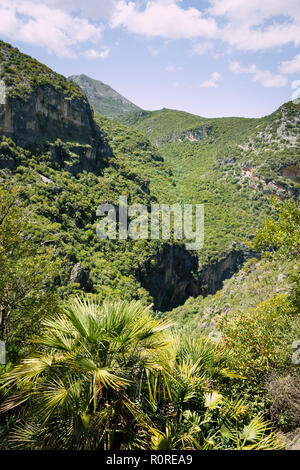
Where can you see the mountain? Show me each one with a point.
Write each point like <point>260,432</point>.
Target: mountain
<point>103,98</point>
<point>231,165</point>
<point>65,164</point>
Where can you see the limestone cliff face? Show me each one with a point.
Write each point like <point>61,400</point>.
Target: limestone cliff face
<point>194,135</point>
<point>292,172</point>
<point>39,105</point>
<point>282,190</point>
<point>46,114</point>
<point>173,275</point>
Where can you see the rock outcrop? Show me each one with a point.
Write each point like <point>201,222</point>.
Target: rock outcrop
<point>39,106</point>
<point>193,135</point>
<point>79,275</point>
<point>292,172</point>
<point>282,189</point>
<point>46,114</point>
<point>174,275</point>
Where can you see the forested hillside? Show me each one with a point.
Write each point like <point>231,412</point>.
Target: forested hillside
<point>232,165</point>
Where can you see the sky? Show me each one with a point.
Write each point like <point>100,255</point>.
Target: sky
<point>208,57</point>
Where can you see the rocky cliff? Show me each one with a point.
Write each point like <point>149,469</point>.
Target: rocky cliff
<point>38,105</point>
<point>193,135</point>
<point>173,275</point>
<point>292,172</point>
<point>46,113</point>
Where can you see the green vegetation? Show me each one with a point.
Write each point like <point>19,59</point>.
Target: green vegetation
<point>154,389</point>
<point>21,74</point>
<point>110,376</point>
<point>256,316</point>
<point>134,152</point>
<point>283,234</point>
<point>65,206</point>
<point>90,364</point>
<point>232,165</point>
<point>26,277</point>
<point>170,125</point>
<point>256,281</point>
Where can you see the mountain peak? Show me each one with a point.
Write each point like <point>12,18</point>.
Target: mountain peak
<point>104,99</point>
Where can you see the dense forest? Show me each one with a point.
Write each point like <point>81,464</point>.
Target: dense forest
<point>142,344</point>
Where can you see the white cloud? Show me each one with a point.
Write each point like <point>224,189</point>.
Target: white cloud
<point>235,67</point>
<point>202,48</point>
<point>253,39</point>
<point>39,24</point>
<point>251,25</point>
<point>170,68</point>
<point>162,18</point>
<point>264,77</point>
<point>213,81</point>
<point>290,66</point>
<point>94,54</point>
<point>267,79</point>
<point>253,11</point>
<point>208,47</point>
<point>154,52</point>
<point>246,25</point>
<point>94,9</point>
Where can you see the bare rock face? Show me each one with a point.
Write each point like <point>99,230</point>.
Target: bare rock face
<point>174,274</point>
<point>79,275</point>
<point>39,107</point>
<point>194,135</point>
<point>46,114</point>
<point>292,172</point>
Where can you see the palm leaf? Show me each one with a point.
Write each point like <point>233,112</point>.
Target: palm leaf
<point>213,400</point>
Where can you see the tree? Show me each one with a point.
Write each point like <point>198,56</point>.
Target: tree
<point>281,233</point>
<point>27,271</point>
<point>81,390</point>
<point>111,376</point>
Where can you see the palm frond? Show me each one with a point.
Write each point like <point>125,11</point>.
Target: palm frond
<point>29,369</point>
<point>255,430</point>
<point>213,400</point>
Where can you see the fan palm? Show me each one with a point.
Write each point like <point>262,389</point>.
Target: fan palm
<point>79,390</point>
<point>202,418</point>
<point>220,426</point>
<point>200,364</point>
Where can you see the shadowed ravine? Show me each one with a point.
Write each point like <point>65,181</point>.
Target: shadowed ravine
<point>175,276</point>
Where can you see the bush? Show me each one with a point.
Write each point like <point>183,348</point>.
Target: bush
<point>284,394</point>
<point>257,338</point>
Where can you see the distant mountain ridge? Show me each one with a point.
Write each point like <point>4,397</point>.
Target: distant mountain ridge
<point>104,99</point>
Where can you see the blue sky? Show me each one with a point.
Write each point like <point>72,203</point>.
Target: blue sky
<point>208,57</point>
